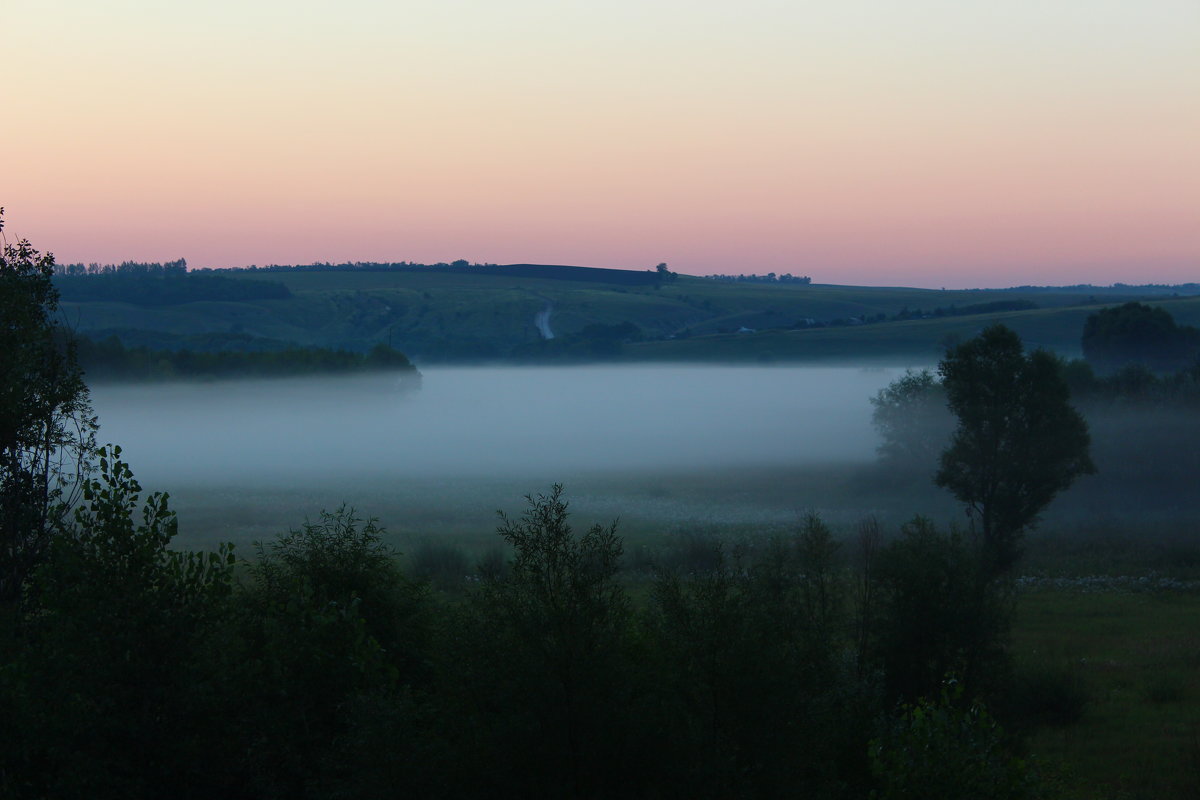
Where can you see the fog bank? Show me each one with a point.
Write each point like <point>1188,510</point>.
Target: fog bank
<point>538,423</point>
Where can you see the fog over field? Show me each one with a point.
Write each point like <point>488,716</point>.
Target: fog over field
<point>515,430</point>
<point>480,422</point>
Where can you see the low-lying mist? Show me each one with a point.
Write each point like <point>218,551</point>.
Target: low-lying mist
<point>481,422</point>
<point>675,452</point>
<point>482,436</point>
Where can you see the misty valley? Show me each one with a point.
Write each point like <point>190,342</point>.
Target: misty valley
<point>473,440</point>
<point>673,451</point>
<point>600,401</point>
<point>251,549</point>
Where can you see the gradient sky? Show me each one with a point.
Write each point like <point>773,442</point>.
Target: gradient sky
<point>903,142</point>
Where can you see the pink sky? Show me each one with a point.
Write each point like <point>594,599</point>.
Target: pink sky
<point>926,143</point>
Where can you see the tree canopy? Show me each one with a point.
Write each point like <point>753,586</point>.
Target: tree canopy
<point>1135,333</point>
<point>911,417</point>
<point>46,425</point>
<point>1018,443</point>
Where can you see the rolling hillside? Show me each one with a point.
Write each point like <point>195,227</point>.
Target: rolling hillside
<point>485,314</point>
<point>920,341</point>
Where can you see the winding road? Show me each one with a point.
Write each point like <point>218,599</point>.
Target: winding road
<point>542,321</point>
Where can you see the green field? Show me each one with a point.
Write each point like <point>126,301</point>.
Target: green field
<point>1135,658</point>
<point>476,317</point>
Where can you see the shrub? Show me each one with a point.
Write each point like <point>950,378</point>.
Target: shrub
<point>444,565</point>
<point>952,750</point>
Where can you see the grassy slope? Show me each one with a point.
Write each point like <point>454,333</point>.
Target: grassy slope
<point>920,340</point>
<point>416,311</point>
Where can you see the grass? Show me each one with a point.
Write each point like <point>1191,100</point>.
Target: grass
<point>1138,655</point>
<point>919,340</point>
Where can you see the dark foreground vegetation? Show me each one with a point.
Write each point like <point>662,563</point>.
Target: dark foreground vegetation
<point>317,668</point>
<point>877,666</point>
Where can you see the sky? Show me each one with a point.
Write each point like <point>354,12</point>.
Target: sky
<point>885,142</point>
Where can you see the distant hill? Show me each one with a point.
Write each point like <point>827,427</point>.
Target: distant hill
<point>473,313</point>
<point>560,272</point>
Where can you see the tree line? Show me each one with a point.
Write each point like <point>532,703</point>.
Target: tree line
<point>770,277</point>
<point>316,667</point>
<point>110,360</point>
<point>1135,355</point>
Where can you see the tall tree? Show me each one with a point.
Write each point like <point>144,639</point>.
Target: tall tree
<point>1018,443</point>
<point>47,429</point>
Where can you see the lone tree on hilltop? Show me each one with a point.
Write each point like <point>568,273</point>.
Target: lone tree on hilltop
<point>47,429</point>
<point>1018,443</point>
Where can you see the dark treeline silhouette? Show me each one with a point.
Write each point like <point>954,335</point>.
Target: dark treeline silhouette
<point>624,277</point>
<point>917,313</point>
<point>974,308</point>
<point>1133,384</point>
<point>1149,289</point>
<point>179,267</point>
<point>1138,334</point>
<point>133,277</point>
<point>770,277</point>
<point>109,359</point>
<point>317,668</point>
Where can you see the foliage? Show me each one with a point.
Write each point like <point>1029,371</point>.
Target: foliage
<point>1135,333</point>
<point>939,614</point>
<point>327,621</point>
<point>327,674</point>
<point>105,551</point>
<point>753,669</point>
<point>446,566</point>
<point>558,579</point>
<point>47,429</point>
<point>340,563</point>
<point>973,308</point>
<point>950,749</point>
<point>1133,386</point>
<point>911,417</point>
<point>1018,443</point>
<point>546,657</point>
<point>117,620</point>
